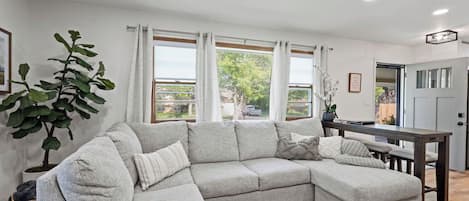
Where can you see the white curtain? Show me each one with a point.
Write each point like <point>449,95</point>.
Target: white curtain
<point>279,81</point>
<point>208,94</point>
<point>140,79</point>
<point>320,70</point>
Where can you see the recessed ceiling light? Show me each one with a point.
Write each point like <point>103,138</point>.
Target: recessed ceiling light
<point>440,11</point>
<point>369,0</point>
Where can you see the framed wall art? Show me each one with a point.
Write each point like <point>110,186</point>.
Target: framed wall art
<point>354,82</point>
<point>5,61</point>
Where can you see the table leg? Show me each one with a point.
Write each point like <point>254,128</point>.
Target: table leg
<point>419,163</point>
<point>341,132</point>
<point>442,170</point>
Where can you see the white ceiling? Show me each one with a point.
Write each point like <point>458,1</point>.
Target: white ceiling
<point>394,21</point>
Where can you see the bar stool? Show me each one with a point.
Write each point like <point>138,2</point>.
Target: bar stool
<point>399,155</point>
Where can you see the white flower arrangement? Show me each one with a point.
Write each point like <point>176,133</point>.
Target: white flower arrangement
<point>329,90</point>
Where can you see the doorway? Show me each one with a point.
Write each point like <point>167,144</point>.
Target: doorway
<point>388,94</point>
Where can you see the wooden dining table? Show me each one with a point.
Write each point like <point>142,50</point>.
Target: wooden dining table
<point>420,137</point>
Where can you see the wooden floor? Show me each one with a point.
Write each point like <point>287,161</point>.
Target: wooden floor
<point>458,184</point>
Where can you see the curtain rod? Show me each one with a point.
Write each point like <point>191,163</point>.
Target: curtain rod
<point>132,28</point>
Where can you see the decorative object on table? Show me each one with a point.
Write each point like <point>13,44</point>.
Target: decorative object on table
<point>354,82</point>
<point>50,105</point>
<point>5,61</point>
<point>329,90</point>
<point>24,192</point>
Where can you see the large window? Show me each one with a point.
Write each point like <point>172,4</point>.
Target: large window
<point>174,80</point>
<point>244,77</point>
<point>300,98</point>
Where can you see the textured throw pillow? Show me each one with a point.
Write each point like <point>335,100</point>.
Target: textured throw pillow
<point>360,161</point>
<point>306,149</point>
<point>156,166</point>
<point>95,172</point>
<point>355,148</point>
<point>329,147</point>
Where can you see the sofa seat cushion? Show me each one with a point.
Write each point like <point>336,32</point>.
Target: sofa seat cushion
<point>187,192</point>
<point>179,178</point>
<point>256,139</point>
<point>276,173</point>
<point>352,183</point>
<point>223,179</point>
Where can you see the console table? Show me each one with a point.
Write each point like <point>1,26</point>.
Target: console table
<point>419,137</point>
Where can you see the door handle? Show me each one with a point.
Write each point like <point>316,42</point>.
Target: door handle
<point>460,123</point>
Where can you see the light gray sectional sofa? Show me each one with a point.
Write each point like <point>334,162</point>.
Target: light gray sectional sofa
<point>230,161</point>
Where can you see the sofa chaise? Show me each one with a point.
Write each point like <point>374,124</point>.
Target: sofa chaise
<point>230,161</point>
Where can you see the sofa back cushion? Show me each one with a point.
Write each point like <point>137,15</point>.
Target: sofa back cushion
<point>127,145</point>
<point>308,127</point>
<point>256,139</point>
<point>158,136</point>
<point>212,142</point>
<point>95,172</point>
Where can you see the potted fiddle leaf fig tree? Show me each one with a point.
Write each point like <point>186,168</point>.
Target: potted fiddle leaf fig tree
<point>50,105</point>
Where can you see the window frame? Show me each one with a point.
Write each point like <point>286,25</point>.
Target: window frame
<point>222,45</point>
<point>302,53</point>
<point>155,82</point>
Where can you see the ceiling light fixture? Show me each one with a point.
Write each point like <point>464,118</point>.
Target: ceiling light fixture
<point>440,11</point>
<point>442,37</point>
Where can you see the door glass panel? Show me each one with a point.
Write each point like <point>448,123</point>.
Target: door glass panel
<point>433,78</point>
<point>445,78</point>
<point>421,79</point>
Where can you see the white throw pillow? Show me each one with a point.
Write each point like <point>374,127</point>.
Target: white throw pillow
<point>329,147</point>
<point>156,166</point>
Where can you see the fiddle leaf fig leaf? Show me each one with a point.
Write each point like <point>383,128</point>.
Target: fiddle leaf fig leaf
<point>83,63</point>
<point>87,45</point>
<point>83,114</point>
<point>12,98</point>
<point>101,69</point>
<point>60,39</point>
<point>29,123</point>
<point>25,102</point>
<point>38,96</point>
<point>6,107</point>
<point>23,132</point>
<point>85,87</point>
<point>51,143</point>
<point>23,71</point>
<point>106,84</point>
<point>84,52</point>
<point>60,60</point>
<point>16,118</point>
<point>62,123</point>
<point>75,35</point>
<point>35,111</point>
<point>63,104</point>
<point>82,104</point>
<point>48,85</point>
<point>95,98</point>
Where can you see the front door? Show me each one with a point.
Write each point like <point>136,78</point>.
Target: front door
<point>436,98</point>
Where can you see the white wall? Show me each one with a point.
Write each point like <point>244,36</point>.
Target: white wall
<point>106,27</point>
<point>428,52</point>
<point>14,18</point>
